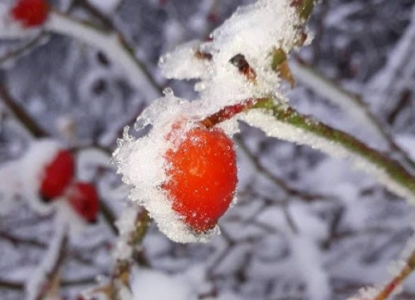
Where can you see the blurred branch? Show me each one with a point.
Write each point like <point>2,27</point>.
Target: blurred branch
<point>43,283</point>
<point>120,278</point>
<point>276,180</point>
<point>112,43</point>
<point>11,285</point>
<point>22,50</point>
<point>38,132</point>
<point>351,103</point>
<point>16,241</point>
<point>21,114</point>
<point>396,282</point>
<point>19,286</point>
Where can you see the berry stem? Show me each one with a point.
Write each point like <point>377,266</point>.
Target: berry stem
<point>286,114</point>
<point>396,281</point>
<point>403,181</point>
<point>112,43</point>
<point>228,112</point>
<point>351,103</point>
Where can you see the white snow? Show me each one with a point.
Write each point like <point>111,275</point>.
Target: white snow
<point>39,276</point>
<point>105,6</point>
<point>108,43</point>
<point>273,128</point>
<point>126,226</point>
<point>307,257</point>
<point>157,285</point>
<point>10,28</point>
<point>23,176</point>
<point>247,32</point>
<point>338,96</point>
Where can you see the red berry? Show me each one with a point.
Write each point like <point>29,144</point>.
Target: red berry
<point>57,175</point>
<point>30,13</point>
<point>83,198</point>
<point>202,176</point>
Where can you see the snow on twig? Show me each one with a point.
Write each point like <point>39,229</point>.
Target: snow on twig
<point>110,43</point>
<point>351,104</point>
<point>41,278</point>
<point>281,121</point>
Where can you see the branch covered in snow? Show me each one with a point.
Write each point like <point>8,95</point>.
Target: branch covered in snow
<point>281,121</point>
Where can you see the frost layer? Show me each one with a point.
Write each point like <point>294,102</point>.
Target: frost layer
<point>254,31</point>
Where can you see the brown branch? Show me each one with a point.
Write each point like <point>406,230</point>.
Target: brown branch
<point>16,241</point>
<point>23,49</point>
<point>11,285</point>
<point>21,114</point>
<point>394,284</point>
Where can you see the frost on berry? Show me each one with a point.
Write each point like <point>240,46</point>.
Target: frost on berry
<point>148,164</point>
<point>30,13</point>
<point>202,176</point>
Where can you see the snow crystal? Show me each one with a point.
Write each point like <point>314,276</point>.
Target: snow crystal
<point>248,33</point>
<point>183,63</point>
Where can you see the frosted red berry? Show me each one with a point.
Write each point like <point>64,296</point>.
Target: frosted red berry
<point>83,198</point>
<point>202,176</point>
<point>57,175</point>
<point>30,13</point>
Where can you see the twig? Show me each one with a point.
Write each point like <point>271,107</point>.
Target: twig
<point>21,114</point>
<point>113,44</point>
<point>391,287</point>
<point>11,285</point>
<point>21,50</point>
<point>38,132</point>
<point>121,273</point>
<point>50,266</point>
<point>280,120</point>
<point>276,180</point>
<point>16,241</point>
<point>349,102</point>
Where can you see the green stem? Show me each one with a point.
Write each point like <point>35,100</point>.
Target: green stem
<point>304,8</point>
<point>285,114</point>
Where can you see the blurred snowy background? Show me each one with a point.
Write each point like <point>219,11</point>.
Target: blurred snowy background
<point>306,226</point>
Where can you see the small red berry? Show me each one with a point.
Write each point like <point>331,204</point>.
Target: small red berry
<point>83,198</point>
<point>202,176</point>
<point>57,175</point>
<point>30,13</point>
